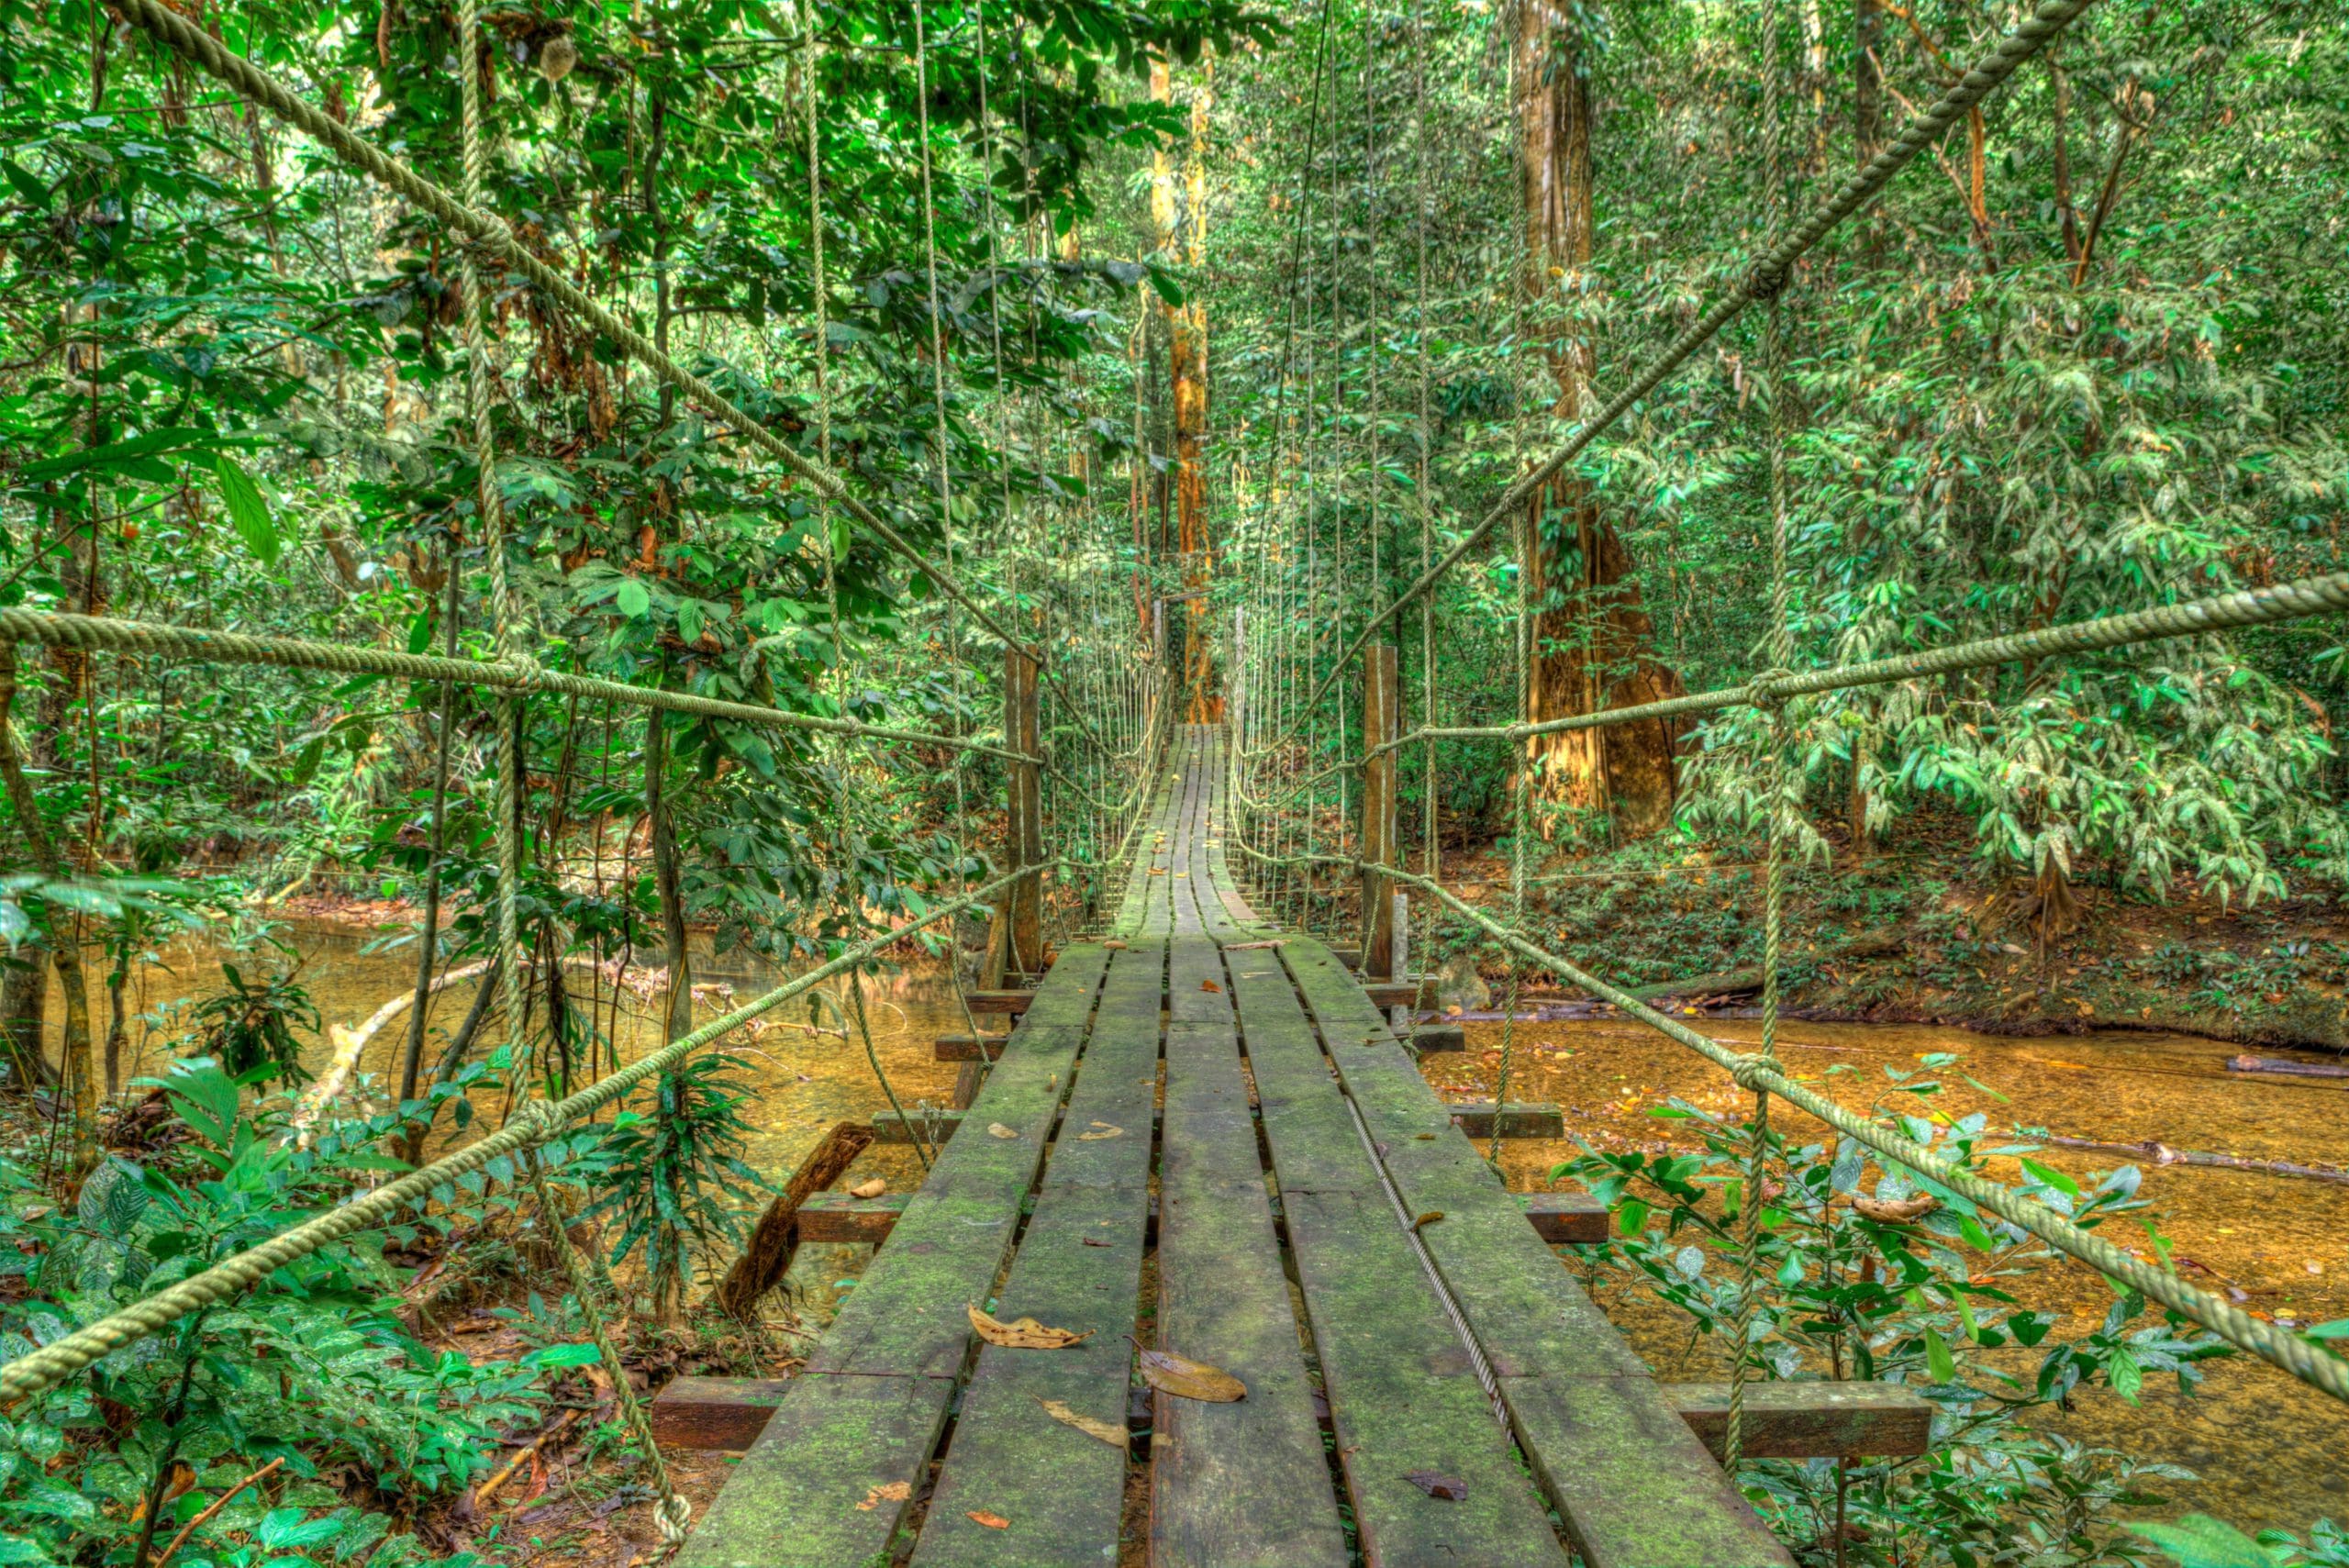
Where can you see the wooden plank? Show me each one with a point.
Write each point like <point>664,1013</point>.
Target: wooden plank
<point>1078,1267</point>
<point>1810,1420</point>
<point>967,1047</point>
<point>714,1414</point>
<point>1428,1038</point>
<point>829,1479</point>
<point>1522,1118</point>
<point>1635,1487</point>
<point>1563,1219</point>
<point>1400,993</point>
<point>837,1217</point>
<point>867,1412</point>
<point>1244,1484</point>
<point>1013,1002</point>
<point>916,1126</point>
<point>1404,1397</point>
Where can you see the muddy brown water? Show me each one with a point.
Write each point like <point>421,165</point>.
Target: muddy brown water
<point>2266,1451</point>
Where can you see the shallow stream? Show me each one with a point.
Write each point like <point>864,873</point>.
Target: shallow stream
<point>2267,1452</point>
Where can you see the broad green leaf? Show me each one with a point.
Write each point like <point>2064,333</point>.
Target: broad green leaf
<point>247,510</point>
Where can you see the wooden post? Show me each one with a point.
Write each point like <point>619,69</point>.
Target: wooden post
<point>1025,825</point>
<point>1381,712</point>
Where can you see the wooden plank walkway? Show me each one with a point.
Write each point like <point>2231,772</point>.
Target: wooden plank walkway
<point>1417,1395</point>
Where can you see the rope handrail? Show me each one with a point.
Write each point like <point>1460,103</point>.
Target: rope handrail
<point>1761,281</point>
<point>119,634</point>
<point>2223,612</point>
<point>491,232</point>
<point>532,1124</point>
<point>2299,1356</point>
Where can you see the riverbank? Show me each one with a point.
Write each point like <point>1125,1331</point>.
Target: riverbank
<point>1922,934</point>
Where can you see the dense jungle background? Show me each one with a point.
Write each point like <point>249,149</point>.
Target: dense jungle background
<point>1138,318</point>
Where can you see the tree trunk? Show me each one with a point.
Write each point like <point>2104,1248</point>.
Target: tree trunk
<point>1593,641</point>
<point>65,952</point>
<point>1868,79</point>
<point>24,1020</point>
<point>1181,232</point>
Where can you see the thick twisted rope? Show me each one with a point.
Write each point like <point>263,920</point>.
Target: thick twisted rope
<point>492,234</point>
<point>2327,594</point>
<point>532,1124</point>
<point>1761,280</point>
<point>2279,1346</point>
<point>119,635</point>
<point>1775,771</point>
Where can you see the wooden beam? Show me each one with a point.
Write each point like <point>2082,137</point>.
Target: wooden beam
<point>1426,1038</point>
<point>998,1001</point>
<point>1024,819</point>
<point>966,1047</point>
<point>714,1414</point>
<point>1810,1420</point>
<point>1381,708</point>
<point>1524,1118</point>
<point>1398,993</point>
<point>1350,957</point>
<point>766,1257</point>
<point>1560,1218</point>
<point>837,1217</point>
<point>889,1127</point>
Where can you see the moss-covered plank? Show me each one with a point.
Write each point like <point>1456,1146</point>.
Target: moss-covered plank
<point>1403,1393</point>
<point>1634,1486</point>
<point>1078,1267</point>
<point>827,1482</point>
<point>1244,1484</point>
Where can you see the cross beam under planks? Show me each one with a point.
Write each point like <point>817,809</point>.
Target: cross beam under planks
<point>1437,1393</point>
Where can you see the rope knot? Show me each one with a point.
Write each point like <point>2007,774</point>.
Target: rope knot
<point>1766,284</point>
<point>673,1515</point>
<point>1763,689</point>
<point>540,1119</point>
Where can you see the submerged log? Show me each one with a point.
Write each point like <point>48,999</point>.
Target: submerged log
<point>1748,977</point>
<point>767,1255</point>
<point>2285,1068</point>
<point>2163,1154</point>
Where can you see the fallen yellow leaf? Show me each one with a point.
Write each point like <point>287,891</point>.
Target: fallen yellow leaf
<point>1188,1379</point>
<point>993,1521</point>
<point>873,1188</point>
<point>1108,1433</point>
<point>894,1492</point>
<point>1101,1129</point>
<point>1023,1333</point>
<point>997,1129</point>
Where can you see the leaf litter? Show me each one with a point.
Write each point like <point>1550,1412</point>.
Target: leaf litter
<point>1023,1333</point>
<point>1186,1379</point>
<point>1107,1432</point>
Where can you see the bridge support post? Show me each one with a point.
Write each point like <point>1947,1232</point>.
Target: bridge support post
<point>1382,691</point>
<point>1025,822</point>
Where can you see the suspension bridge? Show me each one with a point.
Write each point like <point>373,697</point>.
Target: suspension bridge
<point>1206,1139</point>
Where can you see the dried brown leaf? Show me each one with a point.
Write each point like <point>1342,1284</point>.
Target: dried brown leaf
<point>894,1492</point>
<point>993,1521</point>
<point>1896,1211</point>
<point>1429,1217</point>
<point>1435,1484</point>
<point>1108,1433</point>
<point>997,1129</point>
<point>873,1188</point>
<point>1188,1379</point>
<point>1101,1129</point>
<point>1210,986</point>
<point>1023,1333</point>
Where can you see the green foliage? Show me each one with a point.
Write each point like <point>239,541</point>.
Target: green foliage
<point>248,1029</point>
<point>1937,1301</point>
<point>314,1367</point>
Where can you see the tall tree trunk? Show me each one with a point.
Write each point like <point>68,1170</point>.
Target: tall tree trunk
<point>65,951</point>
<point>24,1020</point>
<point>1182,233</point>
<point>1868,79</point>
<point>1593,648</point>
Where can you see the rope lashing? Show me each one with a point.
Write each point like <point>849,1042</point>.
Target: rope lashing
<point>2279,1346</point>
<point>491,233</point>
<point>2248,608</point>
<point>109,633</point>
<point>531,1124</point>
<point>1925,127</point>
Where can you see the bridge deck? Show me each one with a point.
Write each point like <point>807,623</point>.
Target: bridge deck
<point>1295,1151</point>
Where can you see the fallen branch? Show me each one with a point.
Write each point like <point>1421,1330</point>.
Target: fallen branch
<point>2283,1068</point>
<point>213,1508</point>
<point>2163,1154</point>
<point>1749,977</point>
<point>766,1257</point>
<point>504,1471</point>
